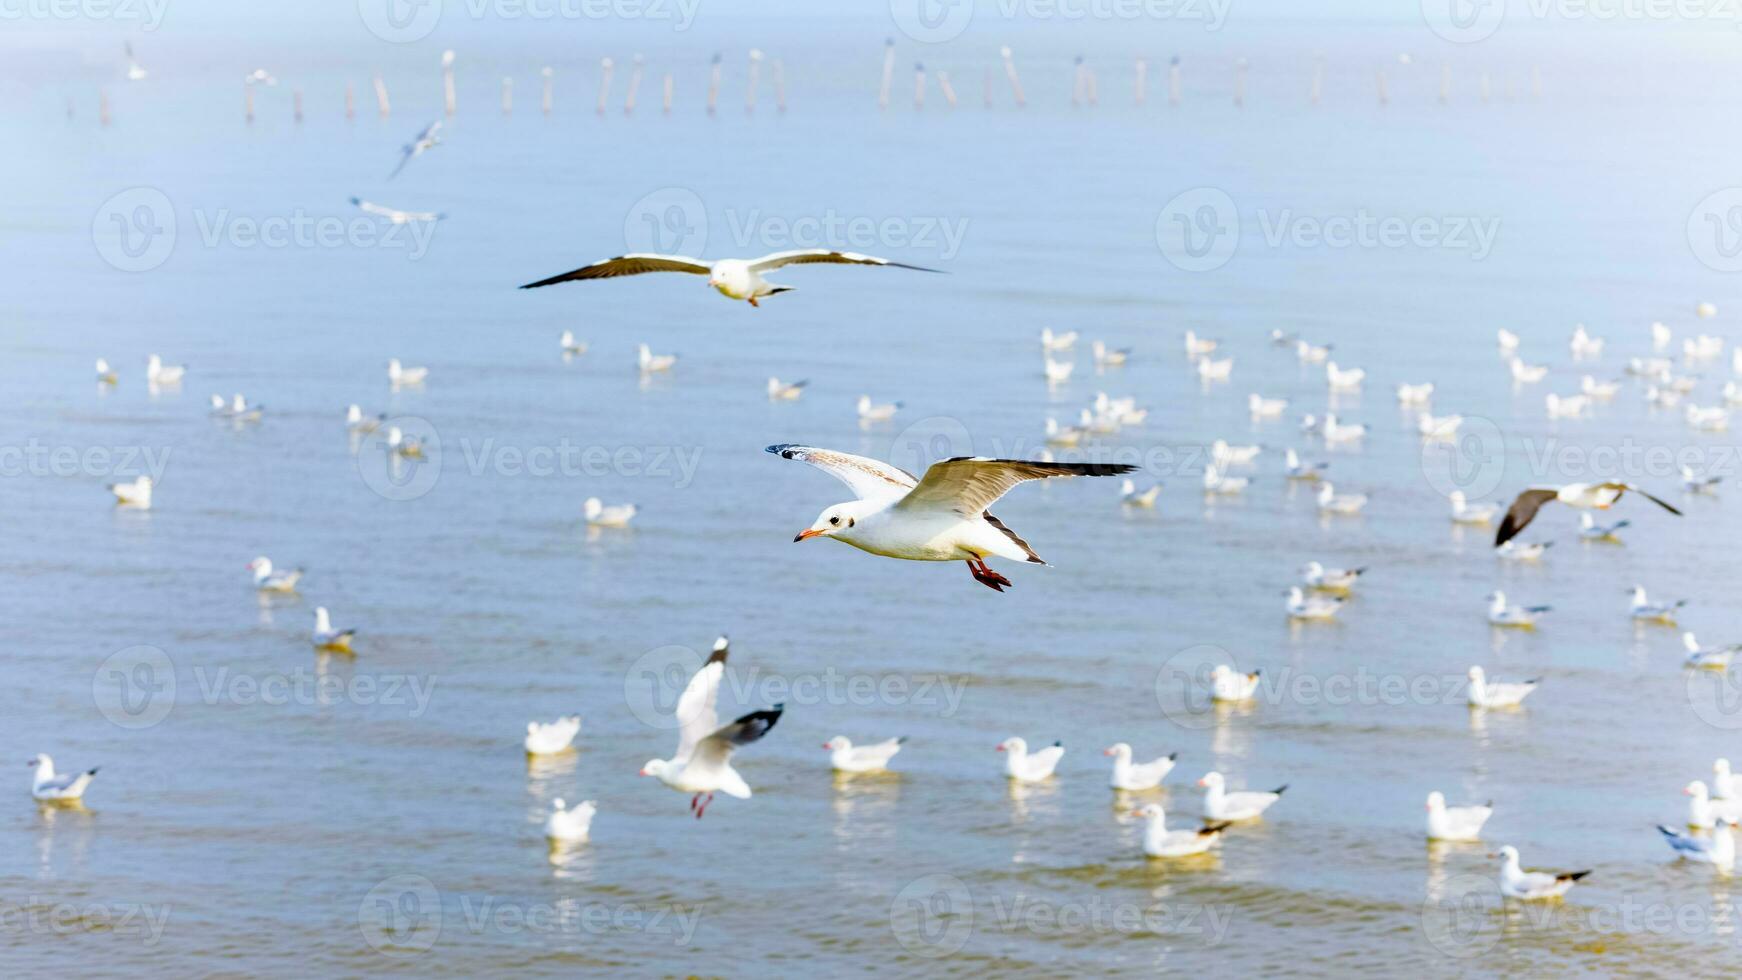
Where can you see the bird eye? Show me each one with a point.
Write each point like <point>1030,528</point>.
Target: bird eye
<point>834,520</point>
<point>851,521</point>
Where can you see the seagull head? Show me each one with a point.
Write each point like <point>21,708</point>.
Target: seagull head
<point>1509,854</point>
<point>839,742</point>
<point>1436,801</point>
<point>1014,744</point>
<point>39,760</point>
<point>1211,780</point>
<point>1119,749</point>
<point>835,520</point>
<point>653,767</point>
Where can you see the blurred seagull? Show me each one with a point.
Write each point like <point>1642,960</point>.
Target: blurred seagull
<point>266,579</point>
<point>357,422</point>
<point>1583,344</point>
<point>1303,606</point>
<point>1136,777</point>
<point>135,494</point>
<point>788,391</point>
<point>1331,502</point>
<point>1590,530</point>
<point>395,215</point>
<point>1455,823</point>
<point>1645,611</point>
<point>1343,379</point>
<point>1718,850</point>
<point>941,517</point>
<point>1029,767</point>
<point>1109,356</point>
<point>1464,512</point>
<point>1160,842</point>
<point>570,345</point>
<point>1057,342</point>
<point>1420,394</point>
<point>1266,408</point>
<point>1229,686</point>
<point>1312,353</point>
<point>738,279</point>
<point>1130,496</point>
<point>1213,370</point>
<point>1200,346</point>
<point>1508,340</point>
<point>1695,483</point>
<point>48,786</point>
<point>401,445</point>
<point>1707,658</point>
<point>651,363</point>
<point>870,411</point>
<point>1438,428</point>
<point>160,373</point>
<point>702,764</point>
<point>844,756</point>
<point>324,637</point>
<point>1528,373</point>
<point>1483,693</point>
<point>1298,470</point>
<point>1218,483</point>
<point>570,825</point>
<point>1516,550</point>
<point>104,374</point>
<point>135,71</point>
<point>1596,390</point>
<point>1335,431</point>
<point>1532,886</point>
<point>414,149</point>
<point>549,738</point>
<point>1219,804</point>
<point>398,374</point>
<point>599,515</point>
<point>1339,580</point>
<point>1501,613</point>
<point>1584,496</point>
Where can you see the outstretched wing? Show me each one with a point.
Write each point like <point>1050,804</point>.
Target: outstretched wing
<point>1522,512</point>
<point>696,717</point>
<point>805,256</point>
<point>370,207</point>
<point>633,264</point>
<point>717,747</point>
<point>1628,486</point>
<point>967,485</point>
<point>869,479</point>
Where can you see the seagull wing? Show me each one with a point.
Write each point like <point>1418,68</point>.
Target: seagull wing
<point>806,256</point>
<point>869,479</point>
<point>967,485</point>
<point>369,207</point>
<point>1522,512</point>
<point>696,716</point>
<point>713,751</point>
<point>1628,486</point>
<point>633,264</point>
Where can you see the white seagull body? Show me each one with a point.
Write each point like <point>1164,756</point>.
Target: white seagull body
<point>941,517</point>
<point>1230,686</point>
<point>1130,496</point>
<point>48,786</point>
<point>597,514</point>
<point>1197,346</point>
<point>266,579</point>
<point>1226,455</point>
<point>1317,576</point>
<point>1137,776</point>
<point>1590,530</point>
<point>1057,342</point>
<point>570,345</point>
<point>1331,502</point>
<point>1532,886</point>
<point>1516,550</point>
<point>1455,823</point>
<point>1708,658</point>
<point>398,374</point>
<point>1528,373</point>
<point>1719,850</point>
<point>399,444</point>
<point>651,363</point>
<point>1213,370</point>
<point>844,756</point>
<point>1566,406</point>
<point>870,411</point>
<point>570,825</point>
<point>1160,842</point>
<point>1464,512</point>
<point>1502,613</point>
<point>1705,812</point>
<point>1218,483</point>
<point>104,374</point>
<point>324,637</point>
<point>1219,804</point>
<point>1312,353</point>
<point>1438,428</point>
<point>1057,372</point>
<point>1596,390</point>
<point>1110,357</point>
<point>549,738</point>
<point>1508,340</point>
<point>160,373</point>
<point>1303,606</point>
<point>1420,394</point>
<point>394,215</point>
<point>1582,344</point>
<point>135,494</point>
<point>1064,435</point>
<point>357,422</point>
<point>1306,472</point>
<point>702,764</point>
<point>1335,431</point>
<point>1483,693</point>
<point>1265,408</point>
<point>737,279</point>
<point>1029,767</point>
<point>1343,379</point>
<point>1644,610</point>
<point>1695,483</point>
<point>785,391</point>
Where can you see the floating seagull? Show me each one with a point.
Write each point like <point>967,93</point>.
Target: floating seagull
<point>1455,823</point>
<point>1297,470</point>
<point>844,756</point>
<point>1303,606</point>
<point>358,423</point>
<point>1057,372</point>
<point>1341,580</point>
<point>1438,428</point>
<point>1026,767</point>
<point>401,445</point>
<point>570,825</point>
<point>1267,408</point>
<point>423,141</point>
<point>1585,496</point>
<point>778,391</point>
<point>1343,379</point>
<point>1331,502</point>
<point>241,411</point>
<point>1160,842</point>
<point>1312,353</point>
<point>1226,455</point>
<point>702,764</point>
<point>220,407</point>
<point>325,637</point>
<point>1280,339</point>
<point>398,374</point>
<point>1707,658</point>
<point>1064,435</point>
<point>939,518</point>
<point>1705,812</point>
<point>599,515</point>
<point>1662,397</point>
<point>268,580</point>
<point>1052,343</point>
<point>1713,419</point>
<point>1566,407</point>
<point>1719,850</point>
<point>395,215</point>
<point>48,787</point>
<point>1111,357</point>
<point>1706,310</point>
<point>1596,390</point>
<point>739,279</point>
<point>549,738</point>
<point>1123,411</point>
<point>1704,347</point>
<point>1528,373</point>
<point>1508,339</point>
<point>1213,370</point>
<point>1644,610</point>
<point>1218,483</point>
<point>1724,786</point>
<point>1335,431</point>
<point>1104,422</point>
<point>104,374</point>
<point>1583,344</point>
<point>870,411</point>
<point>1219,804</point>
<point>650,363</point>
<point>1532,886</point>
<point>1229,686</point>
<point>1660,336</point>
<point>1732,390</point>
<point>1420,394</point>
<point>1464,512</point>
<point>1649,367</point>
<point>1200,346</point>
<point>1483,693</point>
<point>1132,497</point>
<point>160,373</point>
<point>135,494</point>
<point>1500,613</point>
<point>1590,530</point>
<point>1520,551</point>
<point>571,346</point>
<point>1137,776</point>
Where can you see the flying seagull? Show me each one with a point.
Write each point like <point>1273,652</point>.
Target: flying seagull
<point>395,215</point>
<point>702,764</point>
<point>939,518</point>
<point>415,148</point>
<point>739,279</point>
<point>1585,496</point>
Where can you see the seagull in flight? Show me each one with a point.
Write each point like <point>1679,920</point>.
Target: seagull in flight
<point>1585,496</point>
<point>702,764</point>
<point>738,279</point>
<point>425,140</point>
<point>395,215</point>
<point>939,518</point>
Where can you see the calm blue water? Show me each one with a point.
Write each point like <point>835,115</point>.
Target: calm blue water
<point>283,812</point>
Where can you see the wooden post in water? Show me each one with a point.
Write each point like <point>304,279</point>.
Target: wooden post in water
<point>507,96</point>
<point>1141,85</point>
<point>918,85</point>
<point>448,101</point>
<point>350,101</point>
<point>779,86</point>
<point>755,75</point>
<point>888,73</point>
<point>636,67</point>
<point>1173,86</point>
<point>944,87</point>
<point>605,67</point>
<point>714,85</point>
<point>1010,73</point>
<point>545,101</point>
<point>381,104</point>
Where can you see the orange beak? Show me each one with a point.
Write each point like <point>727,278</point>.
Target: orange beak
<point>806,533</point>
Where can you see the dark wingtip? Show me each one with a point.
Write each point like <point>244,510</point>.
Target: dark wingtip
<point>1574,875</point>
<point>1171,756</point>
<point>1058,744</point>
<point>1280,789</point>
<point>92,771</point>
<point>901,740</point>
